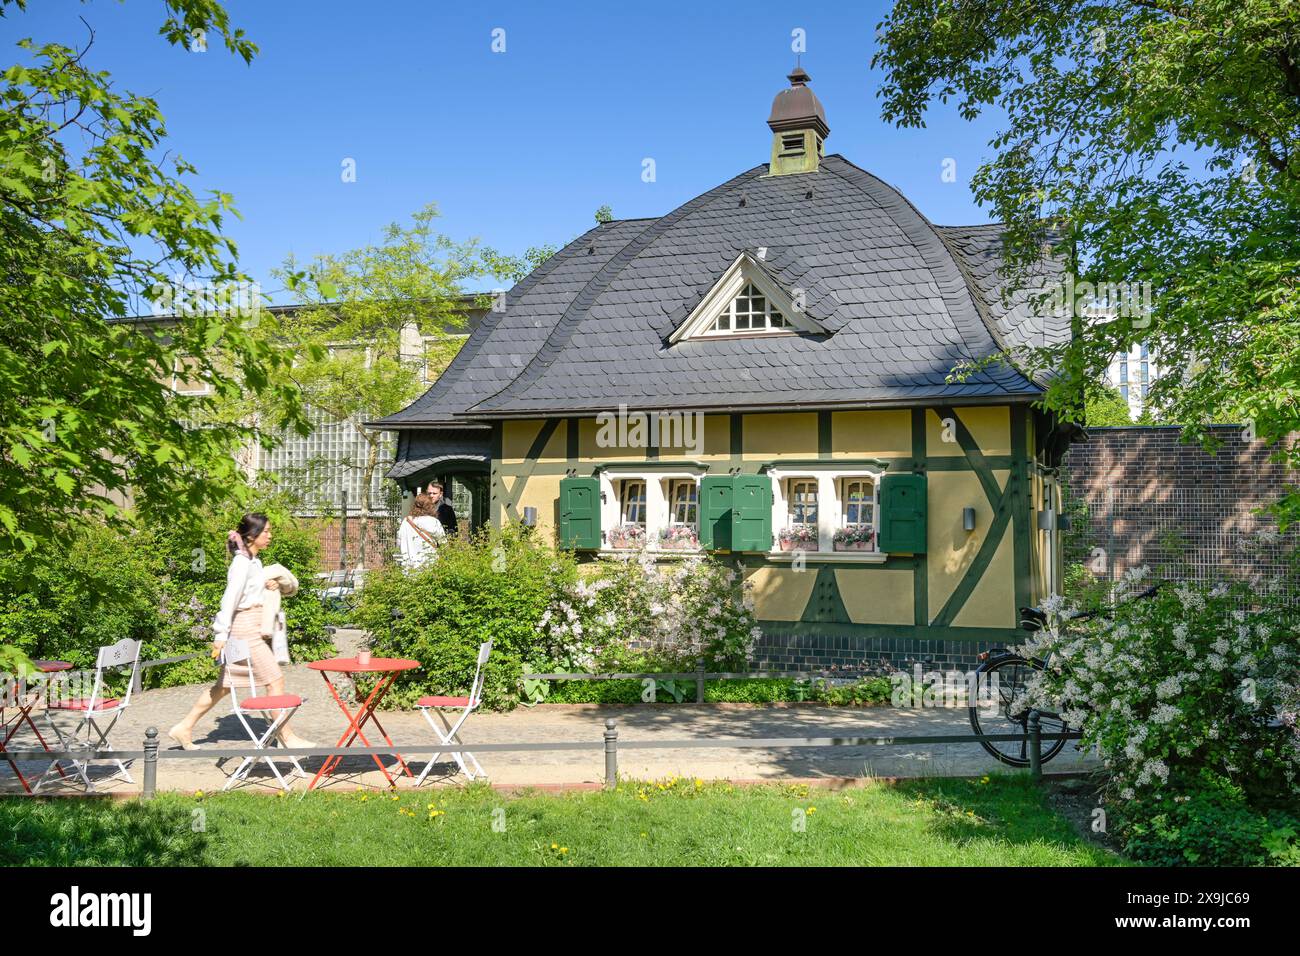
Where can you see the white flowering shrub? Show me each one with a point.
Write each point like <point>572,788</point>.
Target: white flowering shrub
<point>1173,686</point>
<point>672,613</point>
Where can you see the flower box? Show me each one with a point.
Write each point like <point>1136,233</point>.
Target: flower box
<point>627,536</point>
<point>854,539</point>
<point>797,544</point>
<point>680,541</point>
<point>854,546</point>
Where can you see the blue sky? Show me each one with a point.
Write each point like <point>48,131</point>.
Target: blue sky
<point>517,148</point>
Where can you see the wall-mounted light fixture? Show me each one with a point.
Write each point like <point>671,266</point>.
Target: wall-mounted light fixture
<point>968,519</point>
<point>1046,519</point>
<point>530,517</point>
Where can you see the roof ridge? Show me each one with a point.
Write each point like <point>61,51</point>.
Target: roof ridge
<point>578,306</point>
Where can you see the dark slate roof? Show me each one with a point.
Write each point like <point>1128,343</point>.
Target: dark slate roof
<point>417,450</point>
<point>902,302</point>
<point>979,252</point>
<point>504,343</point>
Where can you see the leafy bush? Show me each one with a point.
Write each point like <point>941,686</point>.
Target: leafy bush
<point>1212,825</point>
<point>69,603</point>
<point>670,615</point>
<point>1176,690</point>
<point>1171,685</point>
<point>495,587</point>
<point>546,615</point>
<point>157,585</point>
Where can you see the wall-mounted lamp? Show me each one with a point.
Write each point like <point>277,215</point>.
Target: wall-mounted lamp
<point>968,519</point>
<point>1063,522</point>
<point>530,517</point>
<point>1046,519</point>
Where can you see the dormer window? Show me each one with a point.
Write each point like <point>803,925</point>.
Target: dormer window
<point>751,311</point>
<point>747,300</point>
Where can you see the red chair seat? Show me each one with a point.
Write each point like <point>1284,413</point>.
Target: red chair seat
<point>277,702</point>
<point>83,703</point>
<point>442,702</point>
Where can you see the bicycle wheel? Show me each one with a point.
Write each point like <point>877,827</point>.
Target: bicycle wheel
<point>1001,681</point>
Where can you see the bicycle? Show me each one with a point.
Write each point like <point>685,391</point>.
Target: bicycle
<point>1008,673</point>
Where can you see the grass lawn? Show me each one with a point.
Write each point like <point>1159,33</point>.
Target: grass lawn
<point>998,821</point>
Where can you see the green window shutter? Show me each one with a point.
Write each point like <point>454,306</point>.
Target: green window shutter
<point>902,514</point>
<point>751,513</point>
<point>715,512</point>
<point>580,513</point>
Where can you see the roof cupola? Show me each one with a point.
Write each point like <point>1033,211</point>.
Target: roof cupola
<point>798,125</point>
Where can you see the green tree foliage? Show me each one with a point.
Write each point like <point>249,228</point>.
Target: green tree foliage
<point>1105,407</point>
<point>1158,140</point>
<point>97,219</point>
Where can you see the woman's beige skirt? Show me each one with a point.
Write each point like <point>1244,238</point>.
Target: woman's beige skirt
<point>247,626</point>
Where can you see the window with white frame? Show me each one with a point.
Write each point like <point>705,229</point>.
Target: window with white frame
<point>632,502</point>
<point>750,311</point>
<point>825,508</point>
<point>684,502</point>
<point>857,503</point>
<point>658,507</point>
<point>803,502</point>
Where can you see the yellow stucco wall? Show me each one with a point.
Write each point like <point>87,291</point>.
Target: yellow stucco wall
<point>952,549</point>
<point>781,594</point>
<point>876,595</point>
<point>989,426</point>
<point>992,604</point>
<point>871,434</point>
<point>543,493</point>
<point>782,435</point>
<point>517,438</point>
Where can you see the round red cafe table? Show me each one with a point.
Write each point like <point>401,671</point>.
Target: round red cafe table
<point>388,668</point>
<point>24,709</point>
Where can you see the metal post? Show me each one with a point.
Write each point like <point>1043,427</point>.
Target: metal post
<point>699,681</point>
<point>611,753</point>
<point>1035,746</point>
<point>343,532</point>
<point>150,764</point>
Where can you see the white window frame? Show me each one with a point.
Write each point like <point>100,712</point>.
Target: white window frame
<point>177,363</point>
<point>742,272</point>
<point>831,509</point>
<point>658,505</point>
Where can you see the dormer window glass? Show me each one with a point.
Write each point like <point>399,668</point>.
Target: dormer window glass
<point>751,311</point>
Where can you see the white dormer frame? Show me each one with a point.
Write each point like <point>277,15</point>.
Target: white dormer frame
<point>699,324</point>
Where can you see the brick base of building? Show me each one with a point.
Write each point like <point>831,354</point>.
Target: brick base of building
<point>815,652</point>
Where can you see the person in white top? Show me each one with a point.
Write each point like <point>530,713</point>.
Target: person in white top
<point>240,616</point>
<point>420,535</point>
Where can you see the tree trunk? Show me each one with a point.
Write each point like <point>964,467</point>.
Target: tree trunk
<point>368,474</point>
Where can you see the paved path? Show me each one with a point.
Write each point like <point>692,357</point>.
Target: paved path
<point>322,722</point>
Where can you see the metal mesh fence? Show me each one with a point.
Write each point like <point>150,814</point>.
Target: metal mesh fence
<point>1204,534</point>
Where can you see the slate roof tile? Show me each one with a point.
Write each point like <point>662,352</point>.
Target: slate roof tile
<point>901,300</point>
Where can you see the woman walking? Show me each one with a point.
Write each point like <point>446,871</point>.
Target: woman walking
<point>241,617</point>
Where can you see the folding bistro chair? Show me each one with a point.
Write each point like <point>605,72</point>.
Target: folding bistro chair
<point>469,705</point>
<point>95,710</point>
<point>279,708</point>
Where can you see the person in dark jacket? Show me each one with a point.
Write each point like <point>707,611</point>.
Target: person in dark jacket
<point>445,514</point>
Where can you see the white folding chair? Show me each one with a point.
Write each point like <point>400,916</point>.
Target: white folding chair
<point>279,707</point>
<point>469,705</point>
<point>95,710</point>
